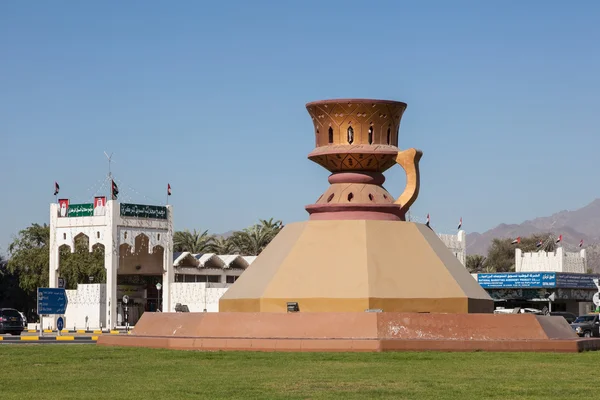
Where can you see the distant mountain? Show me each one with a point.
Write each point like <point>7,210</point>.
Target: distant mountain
<point>225,235</point>
<point>575,225</point>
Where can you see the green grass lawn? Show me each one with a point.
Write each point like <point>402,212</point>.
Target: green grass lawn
<point>91,372</point>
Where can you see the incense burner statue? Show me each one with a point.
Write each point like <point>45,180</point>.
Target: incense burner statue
<point>357,140</point>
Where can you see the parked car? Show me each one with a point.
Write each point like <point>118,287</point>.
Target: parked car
<point>587,325</point>
<point>11,321</point>
<point>570,317</point>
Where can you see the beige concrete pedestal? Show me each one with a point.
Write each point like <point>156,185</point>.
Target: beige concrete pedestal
<point>355,265</point>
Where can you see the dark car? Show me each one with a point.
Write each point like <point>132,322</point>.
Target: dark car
<point>587,325</point>
<point>570,317</point>
<point>11,321</point>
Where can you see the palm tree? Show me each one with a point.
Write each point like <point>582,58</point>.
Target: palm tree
<point>221,245</point>
<point>194,242</point>
<point>252,241</point>
<point>476,263</point>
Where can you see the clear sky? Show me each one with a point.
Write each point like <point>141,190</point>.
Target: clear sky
<point>503,99</point>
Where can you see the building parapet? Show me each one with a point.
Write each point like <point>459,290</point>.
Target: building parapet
<point>554,261</point>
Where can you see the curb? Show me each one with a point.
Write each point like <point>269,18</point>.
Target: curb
<point>48,338</point>
<point>95,331</point>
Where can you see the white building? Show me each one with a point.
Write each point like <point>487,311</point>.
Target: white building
<point>137,242</point>
<point>457,244</point>
<point>553,261</point>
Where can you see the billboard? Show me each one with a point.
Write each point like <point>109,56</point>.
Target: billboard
<point>81,210</point>
<point>143,211</point>
<point>540,280</point>
<point>517,280</point>
<point>63,207</point>
<point>99,205</point>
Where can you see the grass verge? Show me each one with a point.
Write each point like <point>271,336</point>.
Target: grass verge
<point>91,372</point>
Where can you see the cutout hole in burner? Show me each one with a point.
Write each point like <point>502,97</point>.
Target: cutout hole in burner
<point>388,135</point>
<point>330,197</point>
<point>350,196</point>
<point>370,197</point>
<point>350,135</point>
<point>370,135</point>
<point>385,197</point>
<point>330,135</point>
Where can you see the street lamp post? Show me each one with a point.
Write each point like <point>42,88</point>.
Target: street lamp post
<point>158,287</point>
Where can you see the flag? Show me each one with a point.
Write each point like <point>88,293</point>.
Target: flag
<point>516,241</point>
<point>581,243</point>
<point>539,244</point>
<point>559,239</point>
<point>56,188</point>
<point>115,190</point>
<point>459,223</point>
<point>168,189</point>
<point>427,223</point>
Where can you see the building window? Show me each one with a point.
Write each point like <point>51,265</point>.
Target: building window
<point>231,278</point>
<point>178,278</point>
<point>209,278</point>
<point>189,278</point>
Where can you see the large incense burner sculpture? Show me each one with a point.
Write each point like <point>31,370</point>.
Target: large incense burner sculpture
<point>356,252</point>
<point>309,290</point>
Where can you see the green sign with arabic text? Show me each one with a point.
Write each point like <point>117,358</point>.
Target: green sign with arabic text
<point>143,211</point>
<point>81,210</point>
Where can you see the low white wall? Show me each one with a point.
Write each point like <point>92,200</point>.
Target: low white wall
<point>86,307</point>
<point>198,296</point>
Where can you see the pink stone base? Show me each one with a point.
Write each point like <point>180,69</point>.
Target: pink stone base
<point>350,332</point>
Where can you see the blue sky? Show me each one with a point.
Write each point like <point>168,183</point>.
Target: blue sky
<point>210,97</point>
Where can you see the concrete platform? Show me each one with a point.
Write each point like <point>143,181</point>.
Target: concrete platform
<point>343,332</point>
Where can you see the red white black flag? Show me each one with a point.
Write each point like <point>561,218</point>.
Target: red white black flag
<point>115,190</point>
<point>516,241</point>
<point>427,223</point>
<point>559,239</point>
<point>56,188</point>
<point>581,243</point>
<point>539,244</point>
<point>459,223</point>
<point>168,189</point>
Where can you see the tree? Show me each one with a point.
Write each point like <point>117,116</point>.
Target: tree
<point>29,257</point>
<point>194,242</point>
<point>30,260</point>
<point>475,263</point>
<point>221,245</point>
<point>253,240</point>
<point>11,295</point>
<point>501,254</point>
<point>79,266</point>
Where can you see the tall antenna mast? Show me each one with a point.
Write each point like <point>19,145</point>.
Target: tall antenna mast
<point>110,179</point>
<point>110,160</point>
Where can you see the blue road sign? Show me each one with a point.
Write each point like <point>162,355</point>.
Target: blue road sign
<point>52,301</point>
<point>60,324</point>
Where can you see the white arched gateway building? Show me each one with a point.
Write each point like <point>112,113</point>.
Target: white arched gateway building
<point>139,261</point>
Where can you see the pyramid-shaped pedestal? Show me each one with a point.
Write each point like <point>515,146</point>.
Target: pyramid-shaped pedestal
<point>355,265</point>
